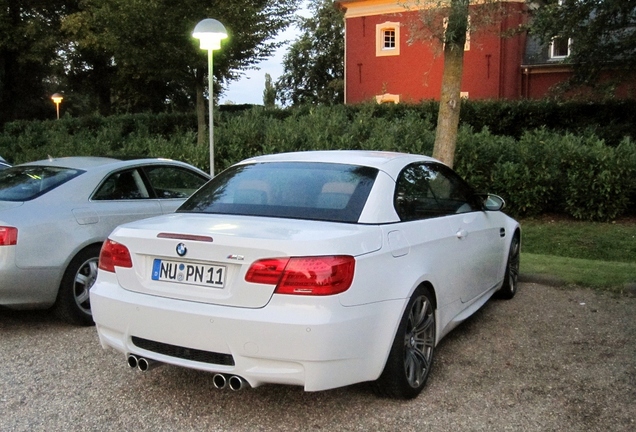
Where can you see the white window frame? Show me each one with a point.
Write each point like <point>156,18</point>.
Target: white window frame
<point>553,46</point>
<point>381,48</point>
<point>389,38</point>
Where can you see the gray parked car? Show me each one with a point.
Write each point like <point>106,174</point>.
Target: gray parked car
<point>55,215</point>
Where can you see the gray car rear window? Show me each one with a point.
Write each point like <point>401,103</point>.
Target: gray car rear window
<point>24,183</point>
<point>299,190</point>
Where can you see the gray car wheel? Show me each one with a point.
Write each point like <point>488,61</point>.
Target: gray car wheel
<point>73,301</point>
<point>511,277</point>
<point>411,358</point>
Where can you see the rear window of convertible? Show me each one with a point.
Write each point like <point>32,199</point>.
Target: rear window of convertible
<point>299,190</point>
<point>24,183</point>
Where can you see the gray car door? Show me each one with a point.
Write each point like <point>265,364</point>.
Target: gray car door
<point>172,184</point>
<point>123,197</point>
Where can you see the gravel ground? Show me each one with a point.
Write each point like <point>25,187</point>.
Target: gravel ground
<point>551,359</point>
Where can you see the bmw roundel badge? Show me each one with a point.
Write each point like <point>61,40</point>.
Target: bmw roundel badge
<point>181,249</point>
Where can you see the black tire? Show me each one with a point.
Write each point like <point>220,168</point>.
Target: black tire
<point>73,302</point>
<point>411,357</point>
<point>511,277</point>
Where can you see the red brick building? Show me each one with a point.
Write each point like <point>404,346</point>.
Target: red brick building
<point>381,64</point>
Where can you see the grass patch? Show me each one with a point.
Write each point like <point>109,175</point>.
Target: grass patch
<point>609,275</point>
<point>586,240</point>
<point>598,255</point>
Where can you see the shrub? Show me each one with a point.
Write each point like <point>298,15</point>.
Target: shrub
<point>599,180</point>
<point>537,171</point>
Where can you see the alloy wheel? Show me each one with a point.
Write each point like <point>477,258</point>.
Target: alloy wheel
<point>419,341</point>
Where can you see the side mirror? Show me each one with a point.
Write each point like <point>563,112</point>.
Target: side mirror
<point>493,202</point>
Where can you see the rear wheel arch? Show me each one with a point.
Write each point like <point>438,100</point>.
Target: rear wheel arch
<point>511,274</point>
<point>72,303</point>
<point>429,286</point>
<point>517,232</point>
<point>411,355</point>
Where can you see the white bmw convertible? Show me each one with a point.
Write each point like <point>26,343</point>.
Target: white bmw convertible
<point>318,269</point>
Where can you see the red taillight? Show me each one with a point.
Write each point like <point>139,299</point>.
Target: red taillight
<point>323,275</point>
<point>8,236</point>
<point>113,255</point>
<point>267,271</point>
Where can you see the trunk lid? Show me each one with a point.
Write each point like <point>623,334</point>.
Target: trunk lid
<point>212,253</point>
<point>6,205</point>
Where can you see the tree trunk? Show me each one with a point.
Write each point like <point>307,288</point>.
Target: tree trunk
<point>8,71</point>
<point>103,84</point>
<point>450,102</point>
<point>200,108</point>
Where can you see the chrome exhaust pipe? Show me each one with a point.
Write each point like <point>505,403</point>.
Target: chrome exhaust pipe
<point>144,364</point>
<point>132,361</point>
<point>219,381</point>
<point>236,383</point>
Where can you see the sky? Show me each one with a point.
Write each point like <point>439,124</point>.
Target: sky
<point>249,89</point>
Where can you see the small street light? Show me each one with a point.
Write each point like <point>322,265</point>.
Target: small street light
<point>210,32</point>
<point>57,100</point>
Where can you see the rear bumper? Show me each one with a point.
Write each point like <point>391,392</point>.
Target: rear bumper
<point>313,342</point>
<point>26,288</point>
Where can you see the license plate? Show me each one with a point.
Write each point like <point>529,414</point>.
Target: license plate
<point>189,273</point>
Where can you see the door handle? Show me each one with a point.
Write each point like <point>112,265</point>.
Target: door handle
<point>461,234</point>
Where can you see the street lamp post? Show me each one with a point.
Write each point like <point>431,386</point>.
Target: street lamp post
<point>210,32</point>
<point>57,100</point>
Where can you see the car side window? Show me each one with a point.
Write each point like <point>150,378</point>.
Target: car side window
<point>122,185</point>
<point>426,190</point>
<point>173,182</point>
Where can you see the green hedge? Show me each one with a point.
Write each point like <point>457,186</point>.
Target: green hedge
<point>544,172</point>
<point>540,171</point>
<point>611,120</point>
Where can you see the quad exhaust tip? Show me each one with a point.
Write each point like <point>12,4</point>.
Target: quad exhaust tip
<point>144,365</point>
<point>234,382</point>
<point>132,361</point>
<point>220,381</point>
<point>141,363</point>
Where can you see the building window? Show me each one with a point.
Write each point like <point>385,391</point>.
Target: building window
<point>387,39</point>
<point>560,47</point>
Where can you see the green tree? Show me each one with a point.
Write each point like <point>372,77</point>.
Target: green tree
<point>446,22</point>
<point>602,36</point>
<point>157,64</point>
<point>29,40</point>
<point>450,102</point>
<point>314,64</point>
<point>269,94</point>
